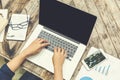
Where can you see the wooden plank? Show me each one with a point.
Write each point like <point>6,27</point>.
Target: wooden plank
<point>11,47</point>
<point>5,2</point>
<point>65,1</point>
<point>0,4</point>
<point>40,72</point>
<point>117,3</point>
<point>80,4</point>
<point>109,25</point>
<point>3,53</point>
<point>72,3</point>
<point>17,5</point>
<point>115,13</point>
<point>105,35</point>
<point>114,10</point>
<point>101,30</point>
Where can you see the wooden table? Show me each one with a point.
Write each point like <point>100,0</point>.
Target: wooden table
<point>105,35</point>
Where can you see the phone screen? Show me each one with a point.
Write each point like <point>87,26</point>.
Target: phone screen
<point>94,59</point>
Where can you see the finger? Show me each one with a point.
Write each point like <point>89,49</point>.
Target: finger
<point>38,39</point>
<point>65,54</point>
<point>59,49</point>
<point>45,44</point>
<point>43,41</point>
<point>63,51</point>
<point>55,50</point>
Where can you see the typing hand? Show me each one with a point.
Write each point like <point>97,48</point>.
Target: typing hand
<point>35,47</point>
<point>58,57</point>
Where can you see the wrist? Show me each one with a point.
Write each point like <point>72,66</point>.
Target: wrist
<point>57,67</point>
<point>58,74</point>
<point>24,55</point>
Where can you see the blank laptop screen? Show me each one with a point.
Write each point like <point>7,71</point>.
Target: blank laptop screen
<point>66,20</point>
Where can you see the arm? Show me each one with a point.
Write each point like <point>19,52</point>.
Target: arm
<point>58,60</point>
<point>35,47</point>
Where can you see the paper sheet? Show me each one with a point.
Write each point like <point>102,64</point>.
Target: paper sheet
<point>107,70</point>
<point>18,27</point>
<point>4,12</point>
<point>3,23</point>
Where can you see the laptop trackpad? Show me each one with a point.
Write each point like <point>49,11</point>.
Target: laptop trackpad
<point>43,59</point>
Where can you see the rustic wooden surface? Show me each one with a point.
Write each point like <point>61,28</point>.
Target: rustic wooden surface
<point>105,35</point>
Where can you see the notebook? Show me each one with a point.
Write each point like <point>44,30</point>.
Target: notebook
<point>18,26</point>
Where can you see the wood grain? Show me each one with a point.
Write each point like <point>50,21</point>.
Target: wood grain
<point>0,4</point>
<point>105,35</point>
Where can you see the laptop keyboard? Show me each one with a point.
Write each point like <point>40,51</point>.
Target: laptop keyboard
<point>57,42</point>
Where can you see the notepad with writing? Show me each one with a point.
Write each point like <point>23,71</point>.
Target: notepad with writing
<point>18,27</point>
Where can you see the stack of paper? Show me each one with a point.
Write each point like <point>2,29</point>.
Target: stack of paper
<point>4,13</point>
<point>3,23</point>
<point>107,70</point>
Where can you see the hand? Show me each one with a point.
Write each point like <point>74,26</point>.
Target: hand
<point>58,57</point>
<point>35,47</point>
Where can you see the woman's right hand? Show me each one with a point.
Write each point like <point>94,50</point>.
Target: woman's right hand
<point>59,57</point>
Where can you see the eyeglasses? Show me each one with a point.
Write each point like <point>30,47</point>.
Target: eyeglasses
<point>21,25</point>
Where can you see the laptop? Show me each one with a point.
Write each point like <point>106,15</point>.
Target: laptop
<point>63,26</point>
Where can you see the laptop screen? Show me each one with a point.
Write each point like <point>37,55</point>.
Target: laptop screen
<point>66,20</point>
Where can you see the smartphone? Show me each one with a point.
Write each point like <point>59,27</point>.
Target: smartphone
<point>94,59</point>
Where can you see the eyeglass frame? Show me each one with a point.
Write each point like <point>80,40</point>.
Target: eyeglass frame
<point>20,24</point>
